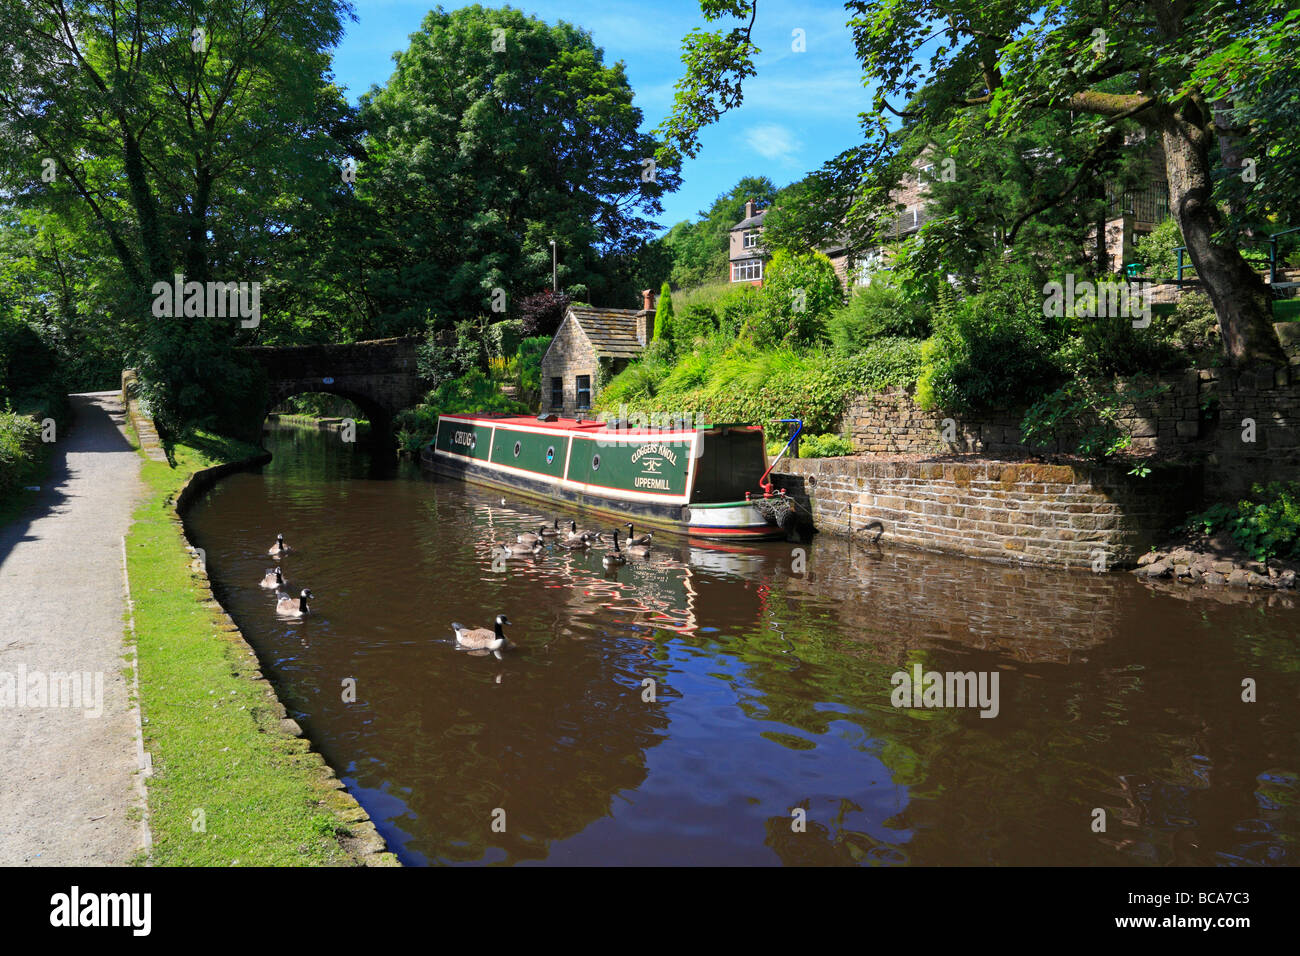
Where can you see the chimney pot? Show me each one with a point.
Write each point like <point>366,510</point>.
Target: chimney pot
<point>648,299</point>
<point>749,209</point>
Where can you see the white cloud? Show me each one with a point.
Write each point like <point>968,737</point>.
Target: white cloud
<point>774,142</point>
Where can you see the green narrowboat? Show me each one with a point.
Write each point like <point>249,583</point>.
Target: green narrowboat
<point>706,482</point>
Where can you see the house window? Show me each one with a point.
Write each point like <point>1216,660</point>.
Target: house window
<point>747,271</point>
<point>750,239</point>
<point>557,393</point>
<point>584,391</point>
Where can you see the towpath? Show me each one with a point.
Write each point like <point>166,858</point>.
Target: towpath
<point>70,787</point>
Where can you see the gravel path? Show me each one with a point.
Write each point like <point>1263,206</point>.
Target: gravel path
<point>69,782</point>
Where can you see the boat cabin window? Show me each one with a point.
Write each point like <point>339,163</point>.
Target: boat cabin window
<point>557,392</point>
<point>584,391</point>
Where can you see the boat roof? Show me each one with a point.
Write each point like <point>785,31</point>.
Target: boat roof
<point>574,424</point>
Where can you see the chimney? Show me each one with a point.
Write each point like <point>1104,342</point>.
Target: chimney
<point>645,318</point>
<point>749,209</point>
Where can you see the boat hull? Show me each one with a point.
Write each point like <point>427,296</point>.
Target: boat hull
<point>496,455</point>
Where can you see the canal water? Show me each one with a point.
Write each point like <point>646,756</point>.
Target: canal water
<point>737,706</point>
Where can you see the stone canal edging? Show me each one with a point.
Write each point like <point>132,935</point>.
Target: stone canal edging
<point>140,420</point>
<point>1027,513</point>
<point>363,841</point>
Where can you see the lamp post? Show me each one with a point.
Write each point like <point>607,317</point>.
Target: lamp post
<point>555,285</point>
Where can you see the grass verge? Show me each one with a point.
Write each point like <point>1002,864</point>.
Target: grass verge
<point>229,786</point>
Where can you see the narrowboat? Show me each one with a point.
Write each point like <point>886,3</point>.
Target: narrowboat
<point>705,481</point>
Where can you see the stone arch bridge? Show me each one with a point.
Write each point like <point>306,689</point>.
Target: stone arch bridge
<point>379,376</point>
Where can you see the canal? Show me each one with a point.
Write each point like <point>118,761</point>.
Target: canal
<point>734,707</point>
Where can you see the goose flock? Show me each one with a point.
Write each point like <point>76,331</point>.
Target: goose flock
<point>526,544</point>
<point>286,605</point>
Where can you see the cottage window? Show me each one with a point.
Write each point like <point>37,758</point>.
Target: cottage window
<point>750,238</point>
<point>557,393</point>
<point>747,271</point>
<point>584,391</point>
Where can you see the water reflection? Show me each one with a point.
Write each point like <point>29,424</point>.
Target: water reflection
<point>771,691</point>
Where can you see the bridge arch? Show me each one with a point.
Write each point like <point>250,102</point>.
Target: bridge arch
<point>379,376</point>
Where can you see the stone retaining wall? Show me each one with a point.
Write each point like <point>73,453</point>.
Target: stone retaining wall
<point>1051,515</point>
<point>1202,415</point>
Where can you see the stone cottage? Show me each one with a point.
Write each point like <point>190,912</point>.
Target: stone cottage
<point>586,338</point>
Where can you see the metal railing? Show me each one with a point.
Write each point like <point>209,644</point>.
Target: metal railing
<point>1271,241</point>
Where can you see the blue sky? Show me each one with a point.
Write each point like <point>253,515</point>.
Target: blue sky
<point>800,110</point>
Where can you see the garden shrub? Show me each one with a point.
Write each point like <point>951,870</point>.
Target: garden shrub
<point>471,392</point>
<point>987,352</point>
<point>19,438</point>
<point>880,308</point>
<point>1155,253</point>
<point>824,446</point>
<point>799,293</point>
<point>664,314</point>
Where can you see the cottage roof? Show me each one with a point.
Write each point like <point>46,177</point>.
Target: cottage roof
<point>612,332</point>
<point>753,222</point>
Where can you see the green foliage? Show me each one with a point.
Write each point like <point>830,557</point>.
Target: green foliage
<point>1266,525</point>
<point>1191,329</point>
<point>988,351</point>
<point>697,321</point>
<point>881,308</point>
<point>824,446</point>
<point>31,376</point>
<point>799,293</point>
<point>1087,411</point>
<point>529,358</point>
<point>479,158</point>
<point>725,379</point>
<point>664,314</point>
<point>1155,252</point>
<point>20,437</point>
<point>472,392</point>
<point>503,338</point>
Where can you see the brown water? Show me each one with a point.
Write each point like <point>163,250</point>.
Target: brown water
<point>773,691</point>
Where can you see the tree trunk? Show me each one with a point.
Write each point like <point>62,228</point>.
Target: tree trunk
<point>1240,297</point>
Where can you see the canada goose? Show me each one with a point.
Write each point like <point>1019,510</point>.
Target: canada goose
<point>522,550</point>
<point>274,578</point>
<point>584,535</point>
<point>290,606</point>
<point>553,531</point>
<point>279,548</point>
<point>531,537</point>
<point>575,542</point>
<point>633,538</point>
<point>480,638</point>
<point>638,550</point>
<point>616,557</point>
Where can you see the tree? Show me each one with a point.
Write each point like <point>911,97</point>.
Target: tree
<point>799,293</point>
<point>189,143</point>
<point>496,134</point>
<point>664,313</point>
<point>1157,63</point>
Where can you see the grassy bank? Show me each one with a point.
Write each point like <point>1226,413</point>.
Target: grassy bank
<point>228,785</point>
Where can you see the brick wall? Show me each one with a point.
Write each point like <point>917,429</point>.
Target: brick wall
<point>1052,515</point>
